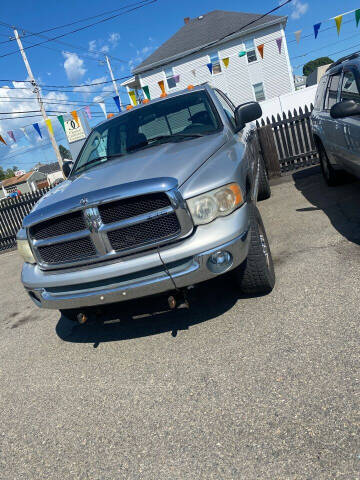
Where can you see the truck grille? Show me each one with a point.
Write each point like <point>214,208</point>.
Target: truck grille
<point>119,227</point>
<point>146,232</point>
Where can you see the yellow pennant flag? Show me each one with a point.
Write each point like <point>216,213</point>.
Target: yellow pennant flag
<point>2,140</point>
<point>49,126</point>
<point>338,21</point>
<point>133,97</point>
<point>75,116</point>
<point>226,61</point>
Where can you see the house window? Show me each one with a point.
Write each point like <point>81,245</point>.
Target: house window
<point>216,65</point>
<point>250,50</point>
<point>259,92</point>
<point>169,73</point>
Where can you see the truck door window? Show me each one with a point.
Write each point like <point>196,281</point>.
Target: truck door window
<point>349,89</point>
<point>332,91</point>
<point>227,107</point>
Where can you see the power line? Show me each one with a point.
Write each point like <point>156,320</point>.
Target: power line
<point>81,28</point>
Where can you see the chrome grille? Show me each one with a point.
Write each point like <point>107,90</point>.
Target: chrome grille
<point>95,233</point>
<point>73,222</point>
<point>131,207</point>
<point>67,251</point>
<point>143,233</point>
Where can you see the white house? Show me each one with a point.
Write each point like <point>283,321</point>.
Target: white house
<point>221,48</point>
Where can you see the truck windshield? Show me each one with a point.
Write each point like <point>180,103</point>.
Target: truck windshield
<point>177,119</point>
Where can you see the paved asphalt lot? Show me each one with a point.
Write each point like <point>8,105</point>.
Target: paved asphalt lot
<point>236,388</point>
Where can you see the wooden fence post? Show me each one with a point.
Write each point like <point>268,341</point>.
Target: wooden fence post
<point>269,152</point>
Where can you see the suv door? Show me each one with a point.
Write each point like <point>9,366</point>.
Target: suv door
<point>351,125</point>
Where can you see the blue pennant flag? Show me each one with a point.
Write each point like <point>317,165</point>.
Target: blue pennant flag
<point>317,28</point>
<point>37,128</point>
<point>209,65</point>
<point>117,101</point>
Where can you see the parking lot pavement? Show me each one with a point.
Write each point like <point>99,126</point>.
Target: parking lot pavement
<point>235,388</point>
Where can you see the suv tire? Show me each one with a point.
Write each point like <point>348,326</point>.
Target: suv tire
<point>256,275</point>
<point>330,175</point>
<point>264,187</point>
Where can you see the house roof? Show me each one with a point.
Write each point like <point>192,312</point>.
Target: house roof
<point>15,180</point>
<point>49,168</point>
<point>204,31</point>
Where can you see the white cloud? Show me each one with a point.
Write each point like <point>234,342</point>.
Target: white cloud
<point>92,45</point>
<point>105,49</point>
<point>74,66</point>
<point>114,39</point>
<point>299,9</point>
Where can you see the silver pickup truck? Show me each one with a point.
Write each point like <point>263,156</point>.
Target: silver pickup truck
<point>160,198</point>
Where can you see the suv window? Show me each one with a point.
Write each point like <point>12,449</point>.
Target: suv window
<point>349,89</point>
<point>332,89</point>
<point>319,98</point>
<point>227,106</point>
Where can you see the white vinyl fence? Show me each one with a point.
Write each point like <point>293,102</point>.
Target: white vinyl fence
<point>289,102</point>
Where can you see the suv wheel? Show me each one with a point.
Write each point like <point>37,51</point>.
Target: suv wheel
<point>256,275</point>
<point>264,186</point>
<point>330,175</point>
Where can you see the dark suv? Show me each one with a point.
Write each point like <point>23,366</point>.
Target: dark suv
<point>335,119</point>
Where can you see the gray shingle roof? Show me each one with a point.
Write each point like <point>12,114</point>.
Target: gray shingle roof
<point>49,168</point>
<point>201,32</point>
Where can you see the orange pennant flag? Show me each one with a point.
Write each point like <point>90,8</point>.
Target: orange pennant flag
<point>75,116</point>
<point>261,50</point>
<point>162,86</point>
<point>2,140</point>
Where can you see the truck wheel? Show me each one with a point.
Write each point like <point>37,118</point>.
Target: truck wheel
<point>330,175</point>
<point>264,186</point>
<point>256,275</point>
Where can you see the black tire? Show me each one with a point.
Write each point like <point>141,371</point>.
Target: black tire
<point>330,175</point>
<point>256,275</point>
<point>264,191</point>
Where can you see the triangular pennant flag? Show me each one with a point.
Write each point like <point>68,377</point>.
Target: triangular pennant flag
<point>261,50</point>
<point>11,135</point>
<point>242,53</point>
<point>49,126</point>
<point>88,112</point>
<point>162,86</point>
<point>298,35</point>
<point>279,43</point>
<point>61,121</point>
<point>177,78</point>
<point>2,140</point>
<point>210,67</point>
<point>25,134</point>
<point>193,72</point>
<point>357,16</point>
<point>117,102</point>
<point>338,21</point>
<point>226,61</point>
<point>146,91</point>
<point>133,97</point>
<point>103,108</point>
<point>75,116</point>
<point>37,128</point>
<point>316,29</point>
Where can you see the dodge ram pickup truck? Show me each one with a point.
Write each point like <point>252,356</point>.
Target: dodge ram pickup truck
<point>160,198</point>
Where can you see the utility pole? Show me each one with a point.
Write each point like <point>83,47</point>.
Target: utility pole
<point>38,95</point>
<point>113,78</point>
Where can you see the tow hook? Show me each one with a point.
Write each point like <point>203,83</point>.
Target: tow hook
<point>178,301</point>
<point>82,318</point>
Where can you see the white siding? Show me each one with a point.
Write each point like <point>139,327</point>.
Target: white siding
<point>237,80</point>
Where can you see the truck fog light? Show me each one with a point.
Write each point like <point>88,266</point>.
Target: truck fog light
<point>220,261</point>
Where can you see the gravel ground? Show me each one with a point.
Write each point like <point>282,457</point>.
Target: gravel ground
<point>236,388</point>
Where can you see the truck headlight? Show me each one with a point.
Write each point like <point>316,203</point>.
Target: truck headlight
<point>25,251</point>
<point>216,203</point>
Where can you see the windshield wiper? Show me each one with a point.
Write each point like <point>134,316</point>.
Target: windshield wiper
<point>97,159</point>
<point>176,135</point>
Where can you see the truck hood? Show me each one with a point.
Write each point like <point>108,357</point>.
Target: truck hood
<point>177,160</point>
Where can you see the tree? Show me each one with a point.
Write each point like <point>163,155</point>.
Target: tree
<point>2,174</point>
<point>309,67</point>
<point>64,152</point>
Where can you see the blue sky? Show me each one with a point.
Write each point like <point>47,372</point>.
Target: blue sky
<point>129,38</point>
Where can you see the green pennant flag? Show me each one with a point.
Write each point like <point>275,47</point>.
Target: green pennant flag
<point>147,92</point>
<point>357,16</point>
<point>61,120</point>
<point>242,53</point>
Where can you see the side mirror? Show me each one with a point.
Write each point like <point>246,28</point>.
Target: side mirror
<point>346,108</point>
<point>67,167</point>
<point>247,112</point>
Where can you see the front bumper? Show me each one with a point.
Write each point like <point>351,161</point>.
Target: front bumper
<point>145,275</point>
